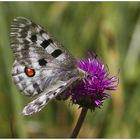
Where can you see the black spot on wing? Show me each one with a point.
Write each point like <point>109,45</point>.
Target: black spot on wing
<point>42,62</point>
<point>26,41</point>
<point>33,38</point>
<point>36,86</point>
<point>33,25</point>
<point>42,32</point>
<point>38,103</point>
<point>46,43</point>
<point>56,53</point>
<point>23,35</point>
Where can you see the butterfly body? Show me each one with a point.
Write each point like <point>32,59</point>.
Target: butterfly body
<point>42,65</point>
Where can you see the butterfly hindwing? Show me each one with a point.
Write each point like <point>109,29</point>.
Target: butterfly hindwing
<point>37,104</point>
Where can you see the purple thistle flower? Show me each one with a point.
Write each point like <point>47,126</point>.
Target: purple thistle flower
<point>90,92</point>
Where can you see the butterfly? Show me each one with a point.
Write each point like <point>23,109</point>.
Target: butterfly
<point>42,66</point>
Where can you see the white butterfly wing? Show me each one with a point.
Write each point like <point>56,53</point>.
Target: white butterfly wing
<point>42,65</point>
<point>34,48</point>
<point>50,93</point>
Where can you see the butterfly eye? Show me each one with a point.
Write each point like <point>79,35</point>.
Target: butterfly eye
<point>29,72</point>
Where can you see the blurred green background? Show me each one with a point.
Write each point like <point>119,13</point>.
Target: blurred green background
<point>111,30</point>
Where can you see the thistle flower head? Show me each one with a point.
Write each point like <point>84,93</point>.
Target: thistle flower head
<point>91,91</point>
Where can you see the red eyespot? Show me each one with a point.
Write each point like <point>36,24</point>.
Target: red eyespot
<point>29,72</point>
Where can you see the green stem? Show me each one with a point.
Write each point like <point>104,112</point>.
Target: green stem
<point>79,123</point>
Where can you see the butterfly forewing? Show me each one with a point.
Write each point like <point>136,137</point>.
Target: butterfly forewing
<point>25,33</point>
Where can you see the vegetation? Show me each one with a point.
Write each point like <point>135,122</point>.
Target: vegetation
<point>112,31</point>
